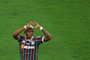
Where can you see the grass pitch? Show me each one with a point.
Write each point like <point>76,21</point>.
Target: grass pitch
<point>67,20</point>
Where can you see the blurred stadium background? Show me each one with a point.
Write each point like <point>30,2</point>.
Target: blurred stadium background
<point>67,20</point>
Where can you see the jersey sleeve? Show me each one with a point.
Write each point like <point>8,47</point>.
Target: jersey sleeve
<point>20,38</point>
<point>40,39</point>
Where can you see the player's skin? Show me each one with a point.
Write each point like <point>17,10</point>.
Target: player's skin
<point>30,31</point>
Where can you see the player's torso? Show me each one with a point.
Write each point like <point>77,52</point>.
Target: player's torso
<point>29,44</point>
<point>28,49</point>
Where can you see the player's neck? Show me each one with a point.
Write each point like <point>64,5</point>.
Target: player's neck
<point>28,37</point>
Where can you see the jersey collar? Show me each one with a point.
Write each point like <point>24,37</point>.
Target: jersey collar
<point>28,39</point>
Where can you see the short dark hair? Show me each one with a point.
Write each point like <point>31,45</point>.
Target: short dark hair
<point>28,30</point>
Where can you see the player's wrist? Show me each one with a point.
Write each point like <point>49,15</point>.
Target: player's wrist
<point>31,26</point>
<point>25,27</point>
<point>28,26</point>
<point>41,28</point>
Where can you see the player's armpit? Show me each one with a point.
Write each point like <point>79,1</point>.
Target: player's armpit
<point>16,33</point>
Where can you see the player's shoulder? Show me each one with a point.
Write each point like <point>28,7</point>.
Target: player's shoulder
<point>21,37</point>
<point>37,37</point>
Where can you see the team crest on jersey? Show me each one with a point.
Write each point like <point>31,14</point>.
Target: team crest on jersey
<point>32,42</point>
<point>22,46</point>
<point>27,43</point>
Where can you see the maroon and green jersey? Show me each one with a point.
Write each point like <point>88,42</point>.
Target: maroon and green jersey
<point>29,47</point>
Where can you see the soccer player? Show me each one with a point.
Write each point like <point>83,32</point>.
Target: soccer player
<point>29,44</point>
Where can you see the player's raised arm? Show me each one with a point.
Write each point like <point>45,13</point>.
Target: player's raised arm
<point>18,31</point>
<point>46,33</point>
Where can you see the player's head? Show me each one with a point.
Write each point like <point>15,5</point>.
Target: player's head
<point>29,32</point>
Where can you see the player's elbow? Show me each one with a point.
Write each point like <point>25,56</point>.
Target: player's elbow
<point>49,37</point>
<point>14,36</point>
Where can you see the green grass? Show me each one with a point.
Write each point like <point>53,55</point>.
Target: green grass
<point>67,20</point>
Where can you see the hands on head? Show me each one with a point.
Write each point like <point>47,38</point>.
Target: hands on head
<point>33,25</point>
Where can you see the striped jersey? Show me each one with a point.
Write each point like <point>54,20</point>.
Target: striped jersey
<point>29,47</point>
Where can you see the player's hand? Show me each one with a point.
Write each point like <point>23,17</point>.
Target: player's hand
<point>33,25</point>
<point>36,25</point>
<point>28,26</point>
<point>30,23</point>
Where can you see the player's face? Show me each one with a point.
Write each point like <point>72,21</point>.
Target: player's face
<point>29,33</point>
